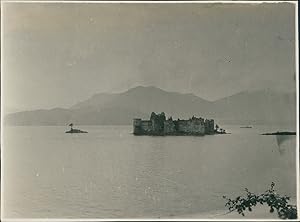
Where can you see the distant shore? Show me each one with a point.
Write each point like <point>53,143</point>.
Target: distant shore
<point>280,133</point>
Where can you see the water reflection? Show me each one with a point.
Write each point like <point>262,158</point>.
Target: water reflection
<point>280,139</point>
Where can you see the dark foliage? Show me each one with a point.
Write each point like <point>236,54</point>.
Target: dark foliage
<point>270,197</point>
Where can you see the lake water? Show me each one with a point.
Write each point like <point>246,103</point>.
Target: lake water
<point>110,173</point>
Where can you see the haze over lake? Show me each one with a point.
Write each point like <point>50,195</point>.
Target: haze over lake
<point>97,66</point>
<point>110,173</point>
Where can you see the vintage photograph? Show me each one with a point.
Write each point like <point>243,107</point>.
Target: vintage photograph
<point>149,110</point>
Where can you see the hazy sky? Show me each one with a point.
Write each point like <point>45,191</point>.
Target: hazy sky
<point>55,55</point>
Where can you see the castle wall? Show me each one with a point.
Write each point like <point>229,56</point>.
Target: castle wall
<point>142,126</point>
<point>169,127</point>
<point>158,125</point>
<point>209,126</point>
<point>183,126</point>
<point>146,125</point>
<point>197,127</point>
<point>191,126</point>
<point>137,126</point>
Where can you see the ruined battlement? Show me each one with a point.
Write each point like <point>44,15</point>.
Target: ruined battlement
<point>159,125</point>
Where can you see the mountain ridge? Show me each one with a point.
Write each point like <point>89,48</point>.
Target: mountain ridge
<point>140,101</point>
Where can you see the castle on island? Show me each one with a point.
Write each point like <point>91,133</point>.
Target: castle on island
<point>159,125</point>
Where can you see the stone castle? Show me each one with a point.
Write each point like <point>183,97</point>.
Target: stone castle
<point>159,125</point>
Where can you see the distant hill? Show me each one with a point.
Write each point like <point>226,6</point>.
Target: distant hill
<point>257,107</point>
<point>55,116</point>
<point>121,108</point>
<point>147,99</point>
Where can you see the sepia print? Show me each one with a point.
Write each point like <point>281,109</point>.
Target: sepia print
<point>149,110</point>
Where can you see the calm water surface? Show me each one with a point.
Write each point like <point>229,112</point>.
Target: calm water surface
<point>110,173</point>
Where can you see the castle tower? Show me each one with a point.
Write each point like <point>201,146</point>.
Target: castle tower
<point>137,129</point>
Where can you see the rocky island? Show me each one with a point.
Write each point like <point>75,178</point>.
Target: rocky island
<point>279,133</point>
<point>158,125</point>
<point>75,130</point>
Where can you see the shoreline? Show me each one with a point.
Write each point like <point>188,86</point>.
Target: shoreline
<point>259,212</point>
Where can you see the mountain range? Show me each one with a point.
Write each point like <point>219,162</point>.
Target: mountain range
<point>248,107</point>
